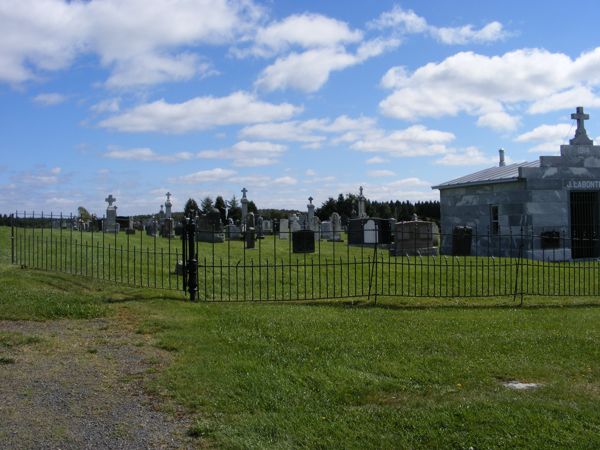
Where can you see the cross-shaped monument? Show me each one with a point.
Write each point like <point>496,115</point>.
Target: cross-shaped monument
<point>360,190</point>
<point>581,137</point>
<point>168,194</point>
<point>244,190</point>
<point>310,199</point>
<point>110,200</point>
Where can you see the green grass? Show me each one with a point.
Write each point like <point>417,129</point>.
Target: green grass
<point>333,376</point>
<point>405,373</point>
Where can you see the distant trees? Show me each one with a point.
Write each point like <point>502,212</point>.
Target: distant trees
<point>347,205</point>
<point>221,206</point>
<point>83,213</point>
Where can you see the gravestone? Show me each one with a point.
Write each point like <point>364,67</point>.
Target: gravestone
<point>244,202</point>
<point>284,229</point>
<point>249,234</point>
<point>168,205</point>
<point>362,210</point>
<point>152,228</point>
<point>416,237</point>
<point>310,219</point>
<point>233,232</point>
<point>336,225</point>
<point>327,230</point>
<point>303,241</point>
<point>370,233</point>
<point>130,228</point>
<point>267,226</point>
<point>294,223</point>
<point>110,224</point>
<point>209,227</point>
<point>167,228</point>
<point>259,228</point>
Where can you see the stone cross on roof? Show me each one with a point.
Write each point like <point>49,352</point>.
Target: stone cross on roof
<point>244,190</point>
<point>581,137</point>
<point>110,200</point>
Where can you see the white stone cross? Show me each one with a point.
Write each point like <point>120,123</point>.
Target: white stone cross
<point>110,200</point>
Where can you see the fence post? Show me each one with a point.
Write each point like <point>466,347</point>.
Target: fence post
<point>519,263</point>
<point>374,268</point>
<point>12,238</point>
<point>192,261</point>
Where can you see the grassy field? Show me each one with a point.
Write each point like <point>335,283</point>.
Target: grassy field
<point>229,272</point>
<point>405,373</point>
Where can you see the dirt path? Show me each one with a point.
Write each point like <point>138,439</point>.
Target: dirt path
<point>80,386</point>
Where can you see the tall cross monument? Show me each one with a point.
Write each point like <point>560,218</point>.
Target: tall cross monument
<point>581,137</point>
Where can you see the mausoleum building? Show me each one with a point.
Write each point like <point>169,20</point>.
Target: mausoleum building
<point>544,209</point>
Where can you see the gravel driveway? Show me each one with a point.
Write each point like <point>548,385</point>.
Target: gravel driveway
<point>81,386</point>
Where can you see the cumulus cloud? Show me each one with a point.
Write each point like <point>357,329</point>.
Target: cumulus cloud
<point>490,87</point>
<point>199,113</point>
<point>139,41</point>
<point>547,138</point>
<point>376,160</point>
<point>408,22</point>
<point>303,30</point>
<point>470,156</point>
<point>380,173</point>
<point>146,154</point>
<point>416,140</point>
<point>248,154</point>
<point>206,176</point>
<point>313,131</point>
<point>308,71</point>
<point>49,99</point>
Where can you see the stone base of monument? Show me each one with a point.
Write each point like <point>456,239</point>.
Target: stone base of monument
<point>209,236</point>
<point>250,238</point>
<point>414,238</point>
<point>303,241</point>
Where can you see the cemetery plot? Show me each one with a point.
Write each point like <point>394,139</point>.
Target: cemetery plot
<point>272,270</point>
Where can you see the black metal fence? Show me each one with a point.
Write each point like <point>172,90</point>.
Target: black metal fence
<point>291,265</point>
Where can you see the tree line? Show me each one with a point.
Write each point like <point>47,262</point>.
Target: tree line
<point>345,205</point>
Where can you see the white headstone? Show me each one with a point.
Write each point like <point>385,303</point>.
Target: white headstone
<point>284,229</point>
<point>294,223</point>
<point>370,232</point>
<point>327,230</point>
<point>336,225</point>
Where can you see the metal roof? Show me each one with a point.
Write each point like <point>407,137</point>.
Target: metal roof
<point>488,176</point>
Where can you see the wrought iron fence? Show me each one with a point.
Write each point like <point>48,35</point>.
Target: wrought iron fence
<point>282,267</point>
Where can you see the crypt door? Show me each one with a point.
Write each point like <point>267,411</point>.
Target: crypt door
<point>585,232</point>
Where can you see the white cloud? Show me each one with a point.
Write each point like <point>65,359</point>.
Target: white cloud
<point>146,154</point>
<point>408,22</point>
<point>285,181</point>
<point>487,87</point>
<point>376,160</point>
<point>380,173</point>
<point>139,41</point>
<point>578,95</point>
<point>308,71</point>
<point>310,173</point>
<point>199,113</point>
<point>314,131</point>
<point>303,30</point>
<point>205,176</point>
<point>111,105</point>
<point>547,138</point>
<point>470,156</point>
<point>416,140</point>
<point>248,154</point>
<point>49,99</point>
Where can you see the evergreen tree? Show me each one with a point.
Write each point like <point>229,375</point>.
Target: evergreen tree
<point>206,205</point>
<point>220,205</point>
<point>191,208</point>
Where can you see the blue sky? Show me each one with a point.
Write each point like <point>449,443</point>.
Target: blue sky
<point>288,99</point>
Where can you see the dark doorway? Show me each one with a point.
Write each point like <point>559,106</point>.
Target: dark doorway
<point>584,225</point>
